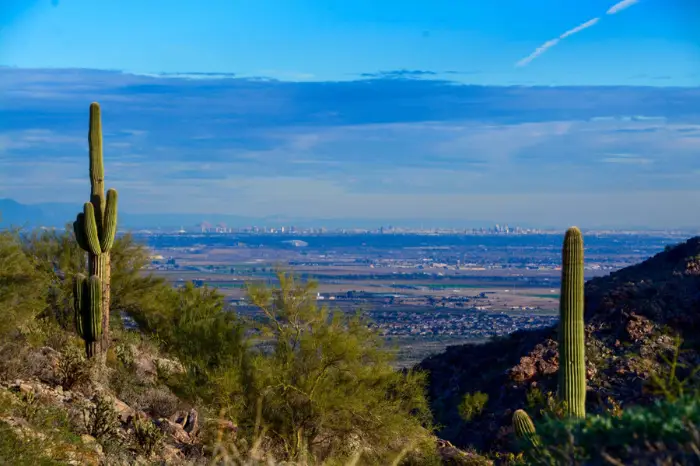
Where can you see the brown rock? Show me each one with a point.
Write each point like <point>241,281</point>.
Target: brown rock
<point>123,410</point>
<point>188,420</point>
<point>452,456</point>
<point>174,430</point>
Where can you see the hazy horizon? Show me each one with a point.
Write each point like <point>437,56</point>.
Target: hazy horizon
<point>553,113</point>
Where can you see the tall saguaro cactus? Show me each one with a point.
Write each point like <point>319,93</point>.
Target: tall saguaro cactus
<point>95,229</point>
<point>572,364</point>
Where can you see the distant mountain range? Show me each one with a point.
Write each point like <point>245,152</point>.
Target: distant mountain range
<point>13,213</point>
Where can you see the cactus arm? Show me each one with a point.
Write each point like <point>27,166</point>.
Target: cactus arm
<point>79,230</point>
<point>110,221</point>
<point>78,303</point>
<point>524,430</point>
<point>90,229</point>
<point>572,365</point>
<point>94,293</point>
<point>523,425</point>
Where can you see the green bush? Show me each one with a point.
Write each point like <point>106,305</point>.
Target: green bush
<point>101,419</point>
<point>472,405</point>
<point>322,384</point>
<point>147,436</point>
<point>665,430</point>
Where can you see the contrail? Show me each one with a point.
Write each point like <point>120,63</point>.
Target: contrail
<point>579,28</point>
<point>619,6</point>
<point>551,43</point>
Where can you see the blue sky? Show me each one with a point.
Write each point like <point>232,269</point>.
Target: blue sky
<point>339,39</point>
<point>388,111</point>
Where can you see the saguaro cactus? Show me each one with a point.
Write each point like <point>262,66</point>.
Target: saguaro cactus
<point>524,427</point>
<point>572,364</point>
<point>95,229</point>
<point>87,302</point>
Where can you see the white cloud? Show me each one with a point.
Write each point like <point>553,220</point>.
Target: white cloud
<point>551,43</point>
<point>627,159</point>
<point>619,6</point>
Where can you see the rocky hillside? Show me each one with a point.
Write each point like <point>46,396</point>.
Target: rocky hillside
<point>632,317</point>
<point>64,409</point>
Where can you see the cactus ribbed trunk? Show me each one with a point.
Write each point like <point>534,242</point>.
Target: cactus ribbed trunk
<point>95,229</point>
<point>99,263</point>
<point>572,364</point>
<point>92,349</point>
<point>106,285</point>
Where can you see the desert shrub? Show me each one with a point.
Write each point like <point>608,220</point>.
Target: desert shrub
<point>43,332</point>
<point>123,354</point>
<point>23,287</point>
<point>472,405</point>
<point>100,419</point>
<point>73,369</point>
<point>535,399</point>
<point>58,257</point>
<point>666,430</point>
<point>22,451</point>
<point>158,401</point>
<point>146,435</point>
<point>194,325</point>
<point>544,404</point>
<point>324,386</point>
<point>13,362</point>
<point>675,378</point>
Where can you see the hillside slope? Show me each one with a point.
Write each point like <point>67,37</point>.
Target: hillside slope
<point>631,317</point>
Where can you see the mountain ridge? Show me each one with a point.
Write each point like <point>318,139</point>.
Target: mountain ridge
<point>13,213</point>
<point>632,317</point>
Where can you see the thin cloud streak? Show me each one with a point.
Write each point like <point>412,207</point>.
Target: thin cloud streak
<point>616,8</point>
<point>619,6</point>
<point>551,43</point>
<point>579,28</point>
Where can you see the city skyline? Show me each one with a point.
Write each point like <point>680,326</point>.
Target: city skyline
<point>358,132</point>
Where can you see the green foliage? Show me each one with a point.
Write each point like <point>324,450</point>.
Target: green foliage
<point>100,419</point>
<point>194,325</point>
<point>23,285</point>
<point>534,398</point>
<point>72,370</point>
<point>572,365</point>
<point>147,436</point>
<point>666,431</point>
<point>666,383</point>
<point>545,404</point>
<point>21,451</point>
<point>324,385</point>
<point>472,405</point>
<point>57,256</point>
<point>44,436</point>
<point>132,292</point>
